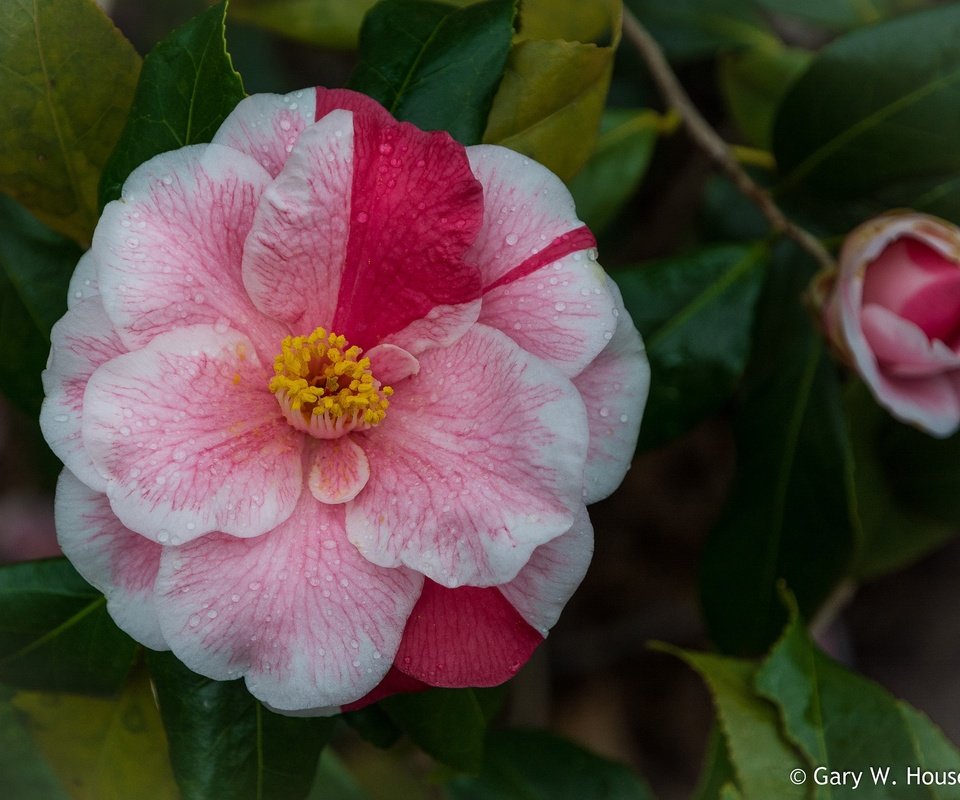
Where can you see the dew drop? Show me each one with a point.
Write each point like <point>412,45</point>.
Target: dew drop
<point>511,239</point>
<point>167,180</point>
<point>254,586</point>
<point>559,306</point>
<point>604,411</point>
<point>362,216</point>
<point>386,148</point>
<point>194,620</point>
<point>235,598</point>
<point>284,124</point>
<point>624,418</point>
<point>125,430</point>
<point>211,614</point>
<point>62,418</point>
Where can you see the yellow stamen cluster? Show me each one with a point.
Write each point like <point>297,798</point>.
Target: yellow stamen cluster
<point>326,385</point>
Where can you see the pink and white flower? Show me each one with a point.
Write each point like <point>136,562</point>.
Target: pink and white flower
<point>332,393</point>
<point>894,313</point>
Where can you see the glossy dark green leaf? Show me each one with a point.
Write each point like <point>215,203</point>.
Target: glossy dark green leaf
<point>449,724</point>
<point>521,765</point>
<point>762,759</point>
<point>224,745</point>
<point>754,82</point>
<point>374,725</point>
<point>435,65</point>
<point>35,269</point>
<point>695,314</point>
<point>873,120</point>
<point>788,516</point>
<point>55,633</point>
<point>842,721</point>
<point>897,525</point>
<point>690,29</point>
<point>187,87</point>
<point>617,165</point>
<point>838,15</point>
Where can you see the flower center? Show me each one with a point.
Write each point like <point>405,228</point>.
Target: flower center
<point>325,388</point>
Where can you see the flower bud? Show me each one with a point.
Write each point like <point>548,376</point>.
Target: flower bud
<point>894,313</point>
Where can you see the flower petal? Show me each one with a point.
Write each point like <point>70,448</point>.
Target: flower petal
<point>901,348</point>
<point>415,208</point>
<point>340,470</point>
<point>464,637</point>
<point>190,438</point>
<point>297,245</point>
<point>298,612</point>
<point>391,364</point>
<point>394,682</point>
<point>120,563</point>
<point>169,250</point>
<point>81,341</point>
<point>542,285</point>
<point>551,576</point>
<point>614,389</point>
<point>479,460</point>
<point>83,282</point>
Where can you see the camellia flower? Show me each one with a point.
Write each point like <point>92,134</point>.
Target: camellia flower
<point>894,312</point>
<point>332,393</point>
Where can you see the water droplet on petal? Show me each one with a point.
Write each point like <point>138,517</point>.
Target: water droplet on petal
<point>511,239</point>
<point>194,620</point>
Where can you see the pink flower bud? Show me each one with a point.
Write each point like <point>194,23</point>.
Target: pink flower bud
<point>894,313</point>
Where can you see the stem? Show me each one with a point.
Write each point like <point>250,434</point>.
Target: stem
<point>708,140</point>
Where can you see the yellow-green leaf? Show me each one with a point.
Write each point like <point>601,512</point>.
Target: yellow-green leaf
<point>67,77</point>
<point>102,749</point>
<point>555,85</point>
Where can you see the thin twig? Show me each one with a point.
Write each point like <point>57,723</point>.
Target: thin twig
<point>713,145</point>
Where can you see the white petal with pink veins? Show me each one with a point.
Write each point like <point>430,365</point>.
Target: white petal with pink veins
<point>391,364</point>
<point>191,439</point>
<point>169,251</point>
<point>551,576</point>
<point>614,389</point>
<point>339,471</point>
<point>298,612</point>
<point>266,126</point>
<point>542,284</point>
<point>479,460</point>
<point>294,254</point>
<point>83,282</point>
<point>82,340</point>
<point>120,563</point>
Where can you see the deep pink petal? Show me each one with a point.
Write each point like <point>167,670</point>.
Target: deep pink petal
<point>464,637</point>
<point>298,612</point>
<point>415,208</point>
<point>328,100</point>
<point>169,251</point>
<point>542,285</point>
<point>81,341</point>
<point>339,470</point>
<point>120,563</point>
<point>479,460</point>
<point>296,249</point>
<point>901,348</point>
<point>190,438</point>
<point>614,389</point>
<point>551,576</point>
<point>394,682</point>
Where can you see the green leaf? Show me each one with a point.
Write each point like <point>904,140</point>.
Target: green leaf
<point>617,165</point>
<point>55,633</point>
<point>788,516</point>
<point>333,23</point>
<point>840,15</point>
<point>24,775</point>
<point>695,314</point>
<point>66,79</point>
<point>449,724</point>
<point>754,82</point>
<point>102,749</point>
<point>693,29</point>
<point>896,529</point>
<point>761,758</point>
<point>877,122</point>
<point>520,765</point>
<point>555,85</point>
<point>334,781</point>
<point>717,769</point>
<point>842,721</point>
<point>187,87</point>
<point>224,744</point>
<point>433,64</point>
<point>35,269</point>
<point>373,725</point>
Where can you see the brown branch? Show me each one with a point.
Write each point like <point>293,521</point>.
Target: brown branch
<point>708,140</point>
